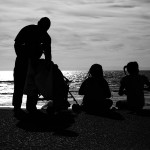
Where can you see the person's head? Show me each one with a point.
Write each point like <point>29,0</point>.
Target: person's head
<point>96,70</point>
<point>44,23</point>
<point>132,68</point>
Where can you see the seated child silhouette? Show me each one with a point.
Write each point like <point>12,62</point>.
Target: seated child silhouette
<point>95,90</point>
<point>133,86</point>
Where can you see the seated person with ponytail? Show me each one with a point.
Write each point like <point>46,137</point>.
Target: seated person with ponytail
<point>132,85</point>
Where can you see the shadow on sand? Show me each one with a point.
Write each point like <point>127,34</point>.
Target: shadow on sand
<point>116,115</point>
<point>143,112</point>
<point>111,114</point>
<point>42,122</point>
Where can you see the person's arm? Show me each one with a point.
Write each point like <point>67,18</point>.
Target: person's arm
<point>20,48</point>
<point>47,50</point>
<point>147,83</point>
<point>121,88</point>
<point>20,42</point>
<point>48,56</point>
<point>83,88</point>
<point>108,92</point>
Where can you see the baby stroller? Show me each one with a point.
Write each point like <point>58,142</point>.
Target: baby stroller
<point>52,85</point>
<point>52,107</point>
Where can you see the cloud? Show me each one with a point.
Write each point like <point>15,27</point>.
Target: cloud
<point>105,31</point>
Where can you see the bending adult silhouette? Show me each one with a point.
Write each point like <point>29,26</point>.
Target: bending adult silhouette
<point>30,43</point>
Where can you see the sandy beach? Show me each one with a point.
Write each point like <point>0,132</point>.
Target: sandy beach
<point>119,130</point>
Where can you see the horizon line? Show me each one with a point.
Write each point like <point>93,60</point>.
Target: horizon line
<point>142,69</point>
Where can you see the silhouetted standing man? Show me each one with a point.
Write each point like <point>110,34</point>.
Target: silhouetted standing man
<point>30,43</point>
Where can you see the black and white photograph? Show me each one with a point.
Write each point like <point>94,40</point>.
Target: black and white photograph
<point>75,74</point>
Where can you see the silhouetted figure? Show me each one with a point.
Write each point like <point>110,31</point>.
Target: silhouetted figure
<point>96,91</point>
<point>133,86</point>
<point>30,43</point>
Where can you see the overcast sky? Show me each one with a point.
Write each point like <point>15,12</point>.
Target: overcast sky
<point>83,32</point>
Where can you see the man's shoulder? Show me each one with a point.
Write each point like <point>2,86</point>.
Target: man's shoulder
<point>27,30</point>
<point>30,27</point>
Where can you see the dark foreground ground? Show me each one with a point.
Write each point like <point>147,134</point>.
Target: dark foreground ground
<point>120,130</point>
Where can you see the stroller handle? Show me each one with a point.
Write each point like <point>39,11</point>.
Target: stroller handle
<point>68,81</point>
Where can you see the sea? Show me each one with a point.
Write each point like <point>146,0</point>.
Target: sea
<point>76,78</point>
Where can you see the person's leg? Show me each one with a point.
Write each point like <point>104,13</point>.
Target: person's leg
<point>103,106</point>
<point>108,103</point>
<point>31,103</point>
<point>86,105</point>
<point>20,71</point>
<point>122,104</point>
<point>136,105</point>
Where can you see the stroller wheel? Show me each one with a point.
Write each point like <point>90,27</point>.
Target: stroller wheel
<point>76,108</point>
